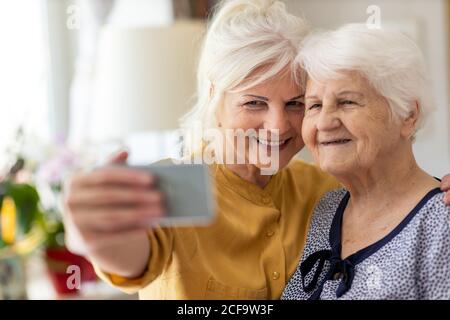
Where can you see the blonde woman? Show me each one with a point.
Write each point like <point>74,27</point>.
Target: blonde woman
<point>246,80</point>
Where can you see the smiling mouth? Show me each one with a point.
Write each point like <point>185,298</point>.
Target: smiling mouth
<point>335,142</point>
<point>273,143</point>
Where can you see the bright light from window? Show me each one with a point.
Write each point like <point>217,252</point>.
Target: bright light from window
<point>23,72</point>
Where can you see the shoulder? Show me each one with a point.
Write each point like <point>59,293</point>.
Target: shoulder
<point>431,232</point>
<point>435,215</point>
<point>435,203</point>
<point>331,200</point>
<point>326,208</point>
<point>300,166</point>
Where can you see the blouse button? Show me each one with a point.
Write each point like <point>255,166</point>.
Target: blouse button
<point>265,200</point>
<point>275,275</point>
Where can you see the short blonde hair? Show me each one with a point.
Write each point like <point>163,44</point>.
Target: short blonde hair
<point>243,37</point>
<point>391,62</point>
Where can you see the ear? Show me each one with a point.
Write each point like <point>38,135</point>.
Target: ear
<point>211,91</point>
<point>410,123</point>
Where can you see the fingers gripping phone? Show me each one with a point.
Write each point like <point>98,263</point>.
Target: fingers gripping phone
<point>188,192</point>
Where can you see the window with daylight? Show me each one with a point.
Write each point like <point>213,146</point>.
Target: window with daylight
<point>23,72</point>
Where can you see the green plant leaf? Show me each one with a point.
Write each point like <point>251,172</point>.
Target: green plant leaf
<point>26,199</point>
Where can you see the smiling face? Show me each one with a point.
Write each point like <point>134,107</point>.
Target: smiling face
<point>348,126</point>
<point>273,105</point>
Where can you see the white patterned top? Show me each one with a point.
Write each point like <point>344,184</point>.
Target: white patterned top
<point>411,262</point>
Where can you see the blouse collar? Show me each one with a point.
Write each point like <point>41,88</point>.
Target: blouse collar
<point>248,190</point>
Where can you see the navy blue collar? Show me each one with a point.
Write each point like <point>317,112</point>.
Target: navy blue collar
<point>344,269</point>
<point>359,256</point>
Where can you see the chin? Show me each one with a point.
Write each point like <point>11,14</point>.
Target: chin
<point>334,168</point>
<point>274,168</point>
<point>285,159</point>
<point>283,164</point>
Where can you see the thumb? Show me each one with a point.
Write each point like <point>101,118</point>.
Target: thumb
<point>118,158</point>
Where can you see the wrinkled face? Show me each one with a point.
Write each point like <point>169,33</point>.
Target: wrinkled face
<point>348,126</point>
<point>276,106</point>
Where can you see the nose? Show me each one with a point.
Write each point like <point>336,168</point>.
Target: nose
<point>277,119</point>
<point>327,120</point>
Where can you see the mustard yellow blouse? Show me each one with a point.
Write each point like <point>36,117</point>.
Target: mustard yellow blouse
<point>249,252</point>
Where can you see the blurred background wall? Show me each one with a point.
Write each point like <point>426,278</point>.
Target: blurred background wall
<point>54,50</point>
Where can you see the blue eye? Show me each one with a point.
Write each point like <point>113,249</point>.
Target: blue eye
<point>255,104</point>
<point>295,104</point>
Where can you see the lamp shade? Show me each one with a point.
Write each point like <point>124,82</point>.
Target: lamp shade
<point>144,78</point>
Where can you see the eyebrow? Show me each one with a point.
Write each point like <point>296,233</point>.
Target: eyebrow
<point>339,94</point>
<point>297,97</point>
<point>258,97</point>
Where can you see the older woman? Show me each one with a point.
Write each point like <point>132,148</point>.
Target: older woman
<point>387,234</point>
<point>245,81</point>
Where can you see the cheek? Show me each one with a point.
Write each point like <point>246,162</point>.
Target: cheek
<point>242,119</point>
<point>308,132</point>
<point>375,136</point>
<point>382,139</point>
<point>296,122</point>
<point>376,124</point>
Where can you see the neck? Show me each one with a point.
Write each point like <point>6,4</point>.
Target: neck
<point>395,177</point>
<point>250,173</point>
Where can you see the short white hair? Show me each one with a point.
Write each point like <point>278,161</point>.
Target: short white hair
<point>391,62</point>
<point>243,37</point>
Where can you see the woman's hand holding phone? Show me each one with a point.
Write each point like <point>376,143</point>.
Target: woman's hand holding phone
<point>107,214</point>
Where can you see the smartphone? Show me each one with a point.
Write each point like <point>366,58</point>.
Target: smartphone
<point>188,192</point>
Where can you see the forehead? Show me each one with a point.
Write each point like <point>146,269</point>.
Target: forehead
<point>282,85</point>
<point>346,81</point>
